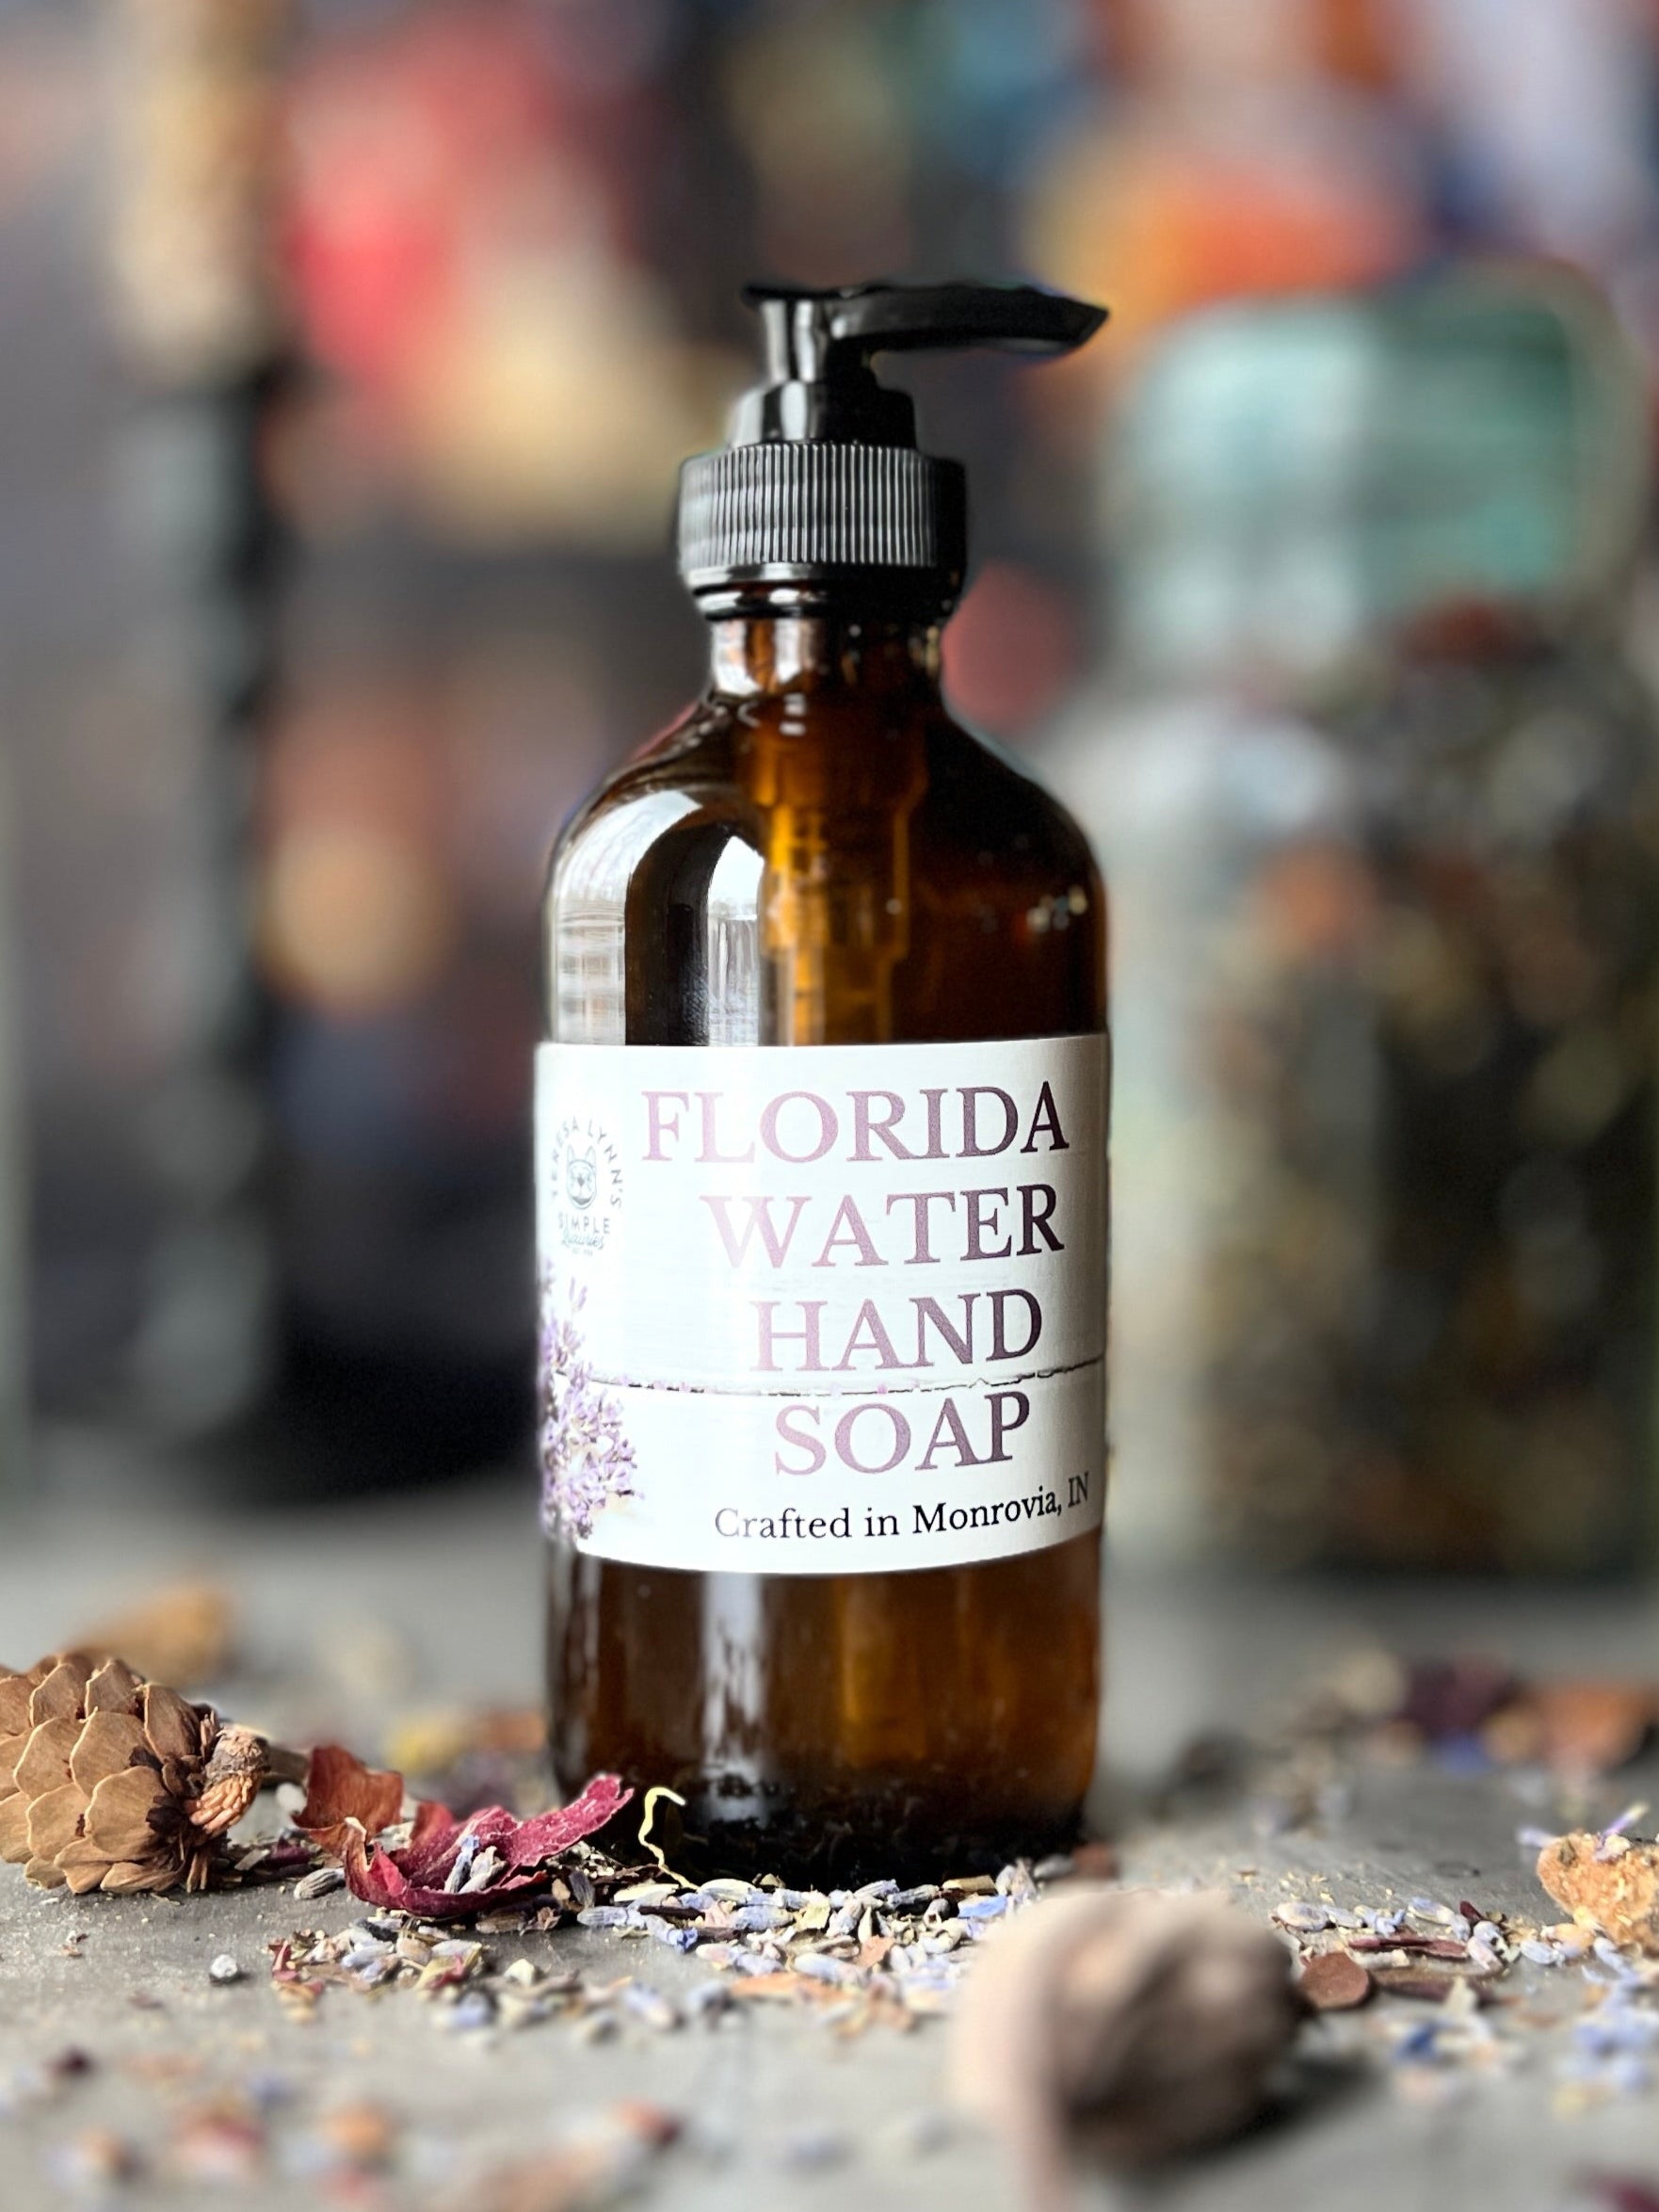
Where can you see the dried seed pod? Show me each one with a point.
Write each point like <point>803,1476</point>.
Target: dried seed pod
<point>108,1781</point>
<point>235,1772</point>
<point>1333,1982</point>
<point>1609,1882</point>
<point>1122,2025</point>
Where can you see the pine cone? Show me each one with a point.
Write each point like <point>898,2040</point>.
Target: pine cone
<point>108,1781</point>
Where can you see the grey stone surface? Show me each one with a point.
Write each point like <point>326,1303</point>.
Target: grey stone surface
<point>349,1612</point>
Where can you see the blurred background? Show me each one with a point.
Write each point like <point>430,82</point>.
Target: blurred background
<point>351,347</point>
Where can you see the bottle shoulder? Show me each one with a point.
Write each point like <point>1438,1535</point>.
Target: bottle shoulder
<point>797,871</point>
<point>965,799</point>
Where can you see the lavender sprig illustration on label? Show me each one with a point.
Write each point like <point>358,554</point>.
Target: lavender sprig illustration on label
<point>587,1458</point>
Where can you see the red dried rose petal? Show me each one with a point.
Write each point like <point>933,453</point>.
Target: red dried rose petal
<point>1621,2192</point>
<point>339,1789</point>
<point>432,1844</point>
<point>412,1879</point>
<point>379,1880</point>
<point>543,1837</point>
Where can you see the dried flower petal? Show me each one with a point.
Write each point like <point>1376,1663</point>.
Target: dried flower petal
<point>339,1789</point>
<point>1449,1698</point>
<point>1586,1728</point>
<point>1609,1882</point>
<point>443,1850</point>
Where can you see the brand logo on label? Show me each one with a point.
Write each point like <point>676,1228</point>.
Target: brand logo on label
<point>581,1177</point>
<point>589,1185</point>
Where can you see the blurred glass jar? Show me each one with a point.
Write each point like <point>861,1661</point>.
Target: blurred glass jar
<point>1379,795</point>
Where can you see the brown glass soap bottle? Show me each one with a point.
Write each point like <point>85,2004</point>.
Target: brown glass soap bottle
<point>821,1179</point>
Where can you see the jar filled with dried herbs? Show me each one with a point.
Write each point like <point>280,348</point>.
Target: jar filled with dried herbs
<point>1380,792</point>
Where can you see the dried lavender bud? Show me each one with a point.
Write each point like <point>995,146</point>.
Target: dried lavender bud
<point>1122,2025</point>
<point>1305,1918</point>
<point>677,1939</point>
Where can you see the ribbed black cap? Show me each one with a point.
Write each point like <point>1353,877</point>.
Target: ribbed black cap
<point>822,478</point>
<point>793,510</point>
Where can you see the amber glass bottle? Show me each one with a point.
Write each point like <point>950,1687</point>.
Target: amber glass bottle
<point>817,856</point>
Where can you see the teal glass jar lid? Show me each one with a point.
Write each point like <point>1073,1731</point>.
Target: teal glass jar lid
<point>1291,480</point>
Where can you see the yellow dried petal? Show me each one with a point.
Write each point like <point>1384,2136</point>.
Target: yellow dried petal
<point>117,1817</point>
<point>14,1828</point>
<point>55,1819</point>
<point>44,1763</point>
<point>173,1727</point>
<point>113,1688</point>
<point>108,1743</point>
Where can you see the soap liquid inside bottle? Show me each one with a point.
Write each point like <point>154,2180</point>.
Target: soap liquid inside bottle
<point>815,855</point>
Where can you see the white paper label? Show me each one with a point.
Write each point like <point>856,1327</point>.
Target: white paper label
<point>822,1310</point>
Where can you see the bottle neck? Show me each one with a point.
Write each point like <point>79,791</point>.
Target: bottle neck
<point>767,655</point>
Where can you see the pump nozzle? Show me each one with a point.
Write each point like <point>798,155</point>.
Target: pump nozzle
<point>820,346</point>
<point>821,475</point>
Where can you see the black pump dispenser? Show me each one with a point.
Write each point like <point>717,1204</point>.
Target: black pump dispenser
<point>821,482</point>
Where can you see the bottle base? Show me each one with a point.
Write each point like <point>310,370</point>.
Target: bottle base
<point>828,1842</point>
